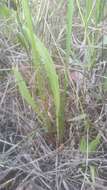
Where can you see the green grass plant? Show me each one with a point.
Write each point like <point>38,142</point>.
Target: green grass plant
<point>91,15</point>
<point>41,59</point>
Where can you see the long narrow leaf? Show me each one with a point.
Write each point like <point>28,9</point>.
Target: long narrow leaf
<point>23,89</point>
<point>29,25</point>
<point>70,8</point>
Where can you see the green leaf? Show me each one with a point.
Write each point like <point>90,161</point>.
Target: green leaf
<point>28,26</point>
<point>69,20</point>
<point>91,146</point>
<point>83,145</point>
<point>94,143</point>
<point>21,38</point>
<point>4,11</point>
<point>99,11</point>
<point>23,88</point>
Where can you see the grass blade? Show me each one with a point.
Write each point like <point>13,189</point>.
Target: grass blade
<point>29,25</point>
<point>69,20</point>
<point>92,146</point>
<point>23,89</point>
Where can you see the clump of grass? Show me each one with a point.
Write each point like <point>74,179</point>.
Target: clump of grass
<point>82,102</point>
<point>41,60</point>
<point>91,15</point>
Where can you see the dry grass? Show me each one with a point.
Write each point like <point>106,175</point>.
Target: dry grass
<point>29,158</point>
